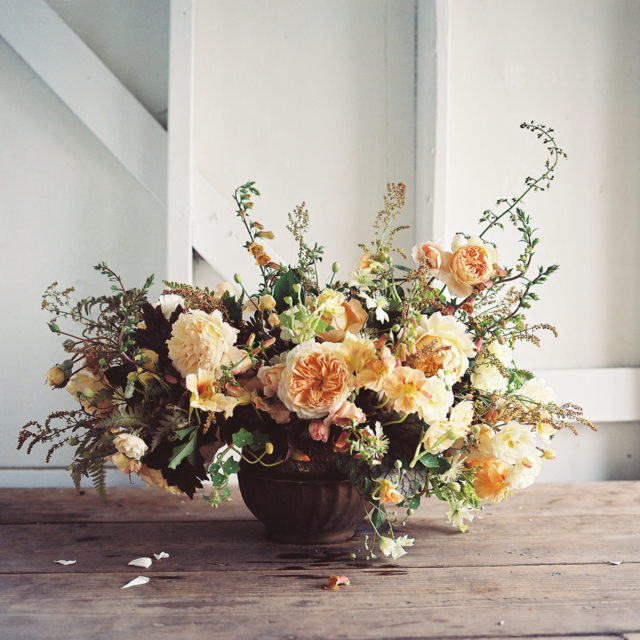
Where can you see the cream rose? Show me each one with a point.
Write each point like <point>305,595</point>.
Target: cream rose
<point>472,263</point>
<point>487,378</point>
<point>316,379</point>
<point>442,344</point>
<point>202,340</point>
<point>514,443</point>
<point>132,446</point>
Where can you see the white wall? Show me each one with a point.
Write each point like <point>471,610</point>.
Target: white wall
<point>66,204</point>
<point>574,65</point>
<point>315,102</point>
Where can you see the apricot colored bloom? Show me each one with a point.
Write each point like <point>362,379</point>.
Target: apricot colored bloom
<point>432,256</point>
<point>202,340</point>
<point>442,343</point>
<point>270,378</point>
<point>316,379</point>
<point>125,464</point>
<point>154,478</point>
<point>206,396</point>
<point>490,480</point>
<point>412,392</point>
<point>345,316</point>
<point>357,351</point>
<point>375,371</point>
<point>85,387</point>
<point>473,262</point>
<point>387,492</point>
<point>368,264</point>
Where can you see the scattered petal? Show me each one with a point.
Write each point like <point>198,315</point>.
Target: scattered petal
<point>65,562</point>
<point>333,582</point>
<point>145,563</point>
<point>161,556</point>
<point>614,561</point>
<point>136,581</point>
<point>500,623</point>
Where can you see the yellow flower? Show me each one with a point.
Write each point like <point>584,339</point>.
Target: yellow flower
<point>388,493</point>
<point>204,394</point>
<point>412,392</point>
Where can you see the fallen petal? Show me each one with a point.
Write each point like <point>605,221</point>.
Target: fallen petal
<point>333,582</point>
<point>614,561</point>
<point>145,563</point>
<point>136,581</point>
<point>161,556</point>
<point>65,562</point>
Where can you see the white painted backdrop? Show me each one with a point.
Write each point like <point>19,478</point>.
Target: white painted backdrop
<point>317,102</point>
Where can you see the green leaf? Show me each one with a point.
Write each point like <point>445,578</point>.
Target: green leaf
<point>242,438</point>
<point>378,517</point>
<point>414,503</point>
<point>439,465</point>
<point>230,466</point>
<point>183,451</point>
<point>283,288</point>
<point>234,310</point>
<point>260,439</point>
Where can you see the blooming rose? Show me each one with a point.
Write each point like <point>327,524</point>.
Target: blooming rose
<point>487,377</point>
<point>472,263</point>
<point>345,316</point>
<point>433,257</point>
<point>202,340</point>
<point>316,379</point>
<point>502,352</point>
<point>525,473</point>
<point>270,378</point>
<point>412,392</point>
<point>513,443</point>
<point>442,343</point>
<point>132,446</point>
<point>90,386</point>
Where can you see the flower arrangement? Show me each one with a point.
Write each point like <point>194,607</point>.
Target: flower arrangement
<point>402,376</point>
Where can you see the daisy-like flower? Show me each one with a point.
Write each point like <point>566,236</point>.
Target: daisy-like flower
<point>395,548</point>
<point>361,280</point>
<point>204,394</point>
<point>380,304</point>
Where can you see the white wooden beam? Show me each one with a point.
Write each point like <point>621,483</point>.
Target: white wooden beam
<point>180,162</point>
<point>218,235</point>
<point>606,395</point>
<point>432,69</point>
<point>82,81</point>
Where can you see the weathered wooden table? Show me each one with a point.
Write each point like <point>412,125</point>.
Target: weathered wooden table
<point>554,561</point>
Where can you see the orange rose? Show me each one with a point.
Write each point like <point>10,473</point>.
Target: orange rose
<point>472,263</point>
<point>316,379</point>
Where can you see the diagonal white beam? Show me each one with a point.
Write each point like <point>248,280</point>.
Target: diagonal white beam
<point>83,82</point>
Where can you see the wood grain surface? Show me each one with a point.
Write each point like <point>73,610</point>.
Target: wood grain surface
<point>555,561</point>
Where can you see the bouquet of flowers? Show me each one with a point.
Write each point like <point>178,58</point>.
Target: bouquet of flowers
<point>402,376</point>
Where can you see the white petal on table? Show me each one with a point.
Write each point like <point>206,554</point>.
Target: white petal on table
<point>65,562</point>
<point>145,563</point>
<point>161,556</point>
<point>136,581</point>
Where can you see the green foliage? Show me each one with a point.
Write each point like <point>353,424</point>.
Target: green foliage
<point>283,288</point>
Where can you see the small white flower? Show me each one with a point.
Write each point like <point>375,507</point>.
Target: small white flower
<point>361,280</point>
<point>458,515</point>
<point>168,303</point>
<point>380,304</point>
<point>395,548</point>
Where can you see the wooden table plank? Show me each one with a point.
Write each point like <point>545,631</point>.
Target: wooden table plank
<point>426,603</point>
<point>242,545</point>
<point>151,505</point>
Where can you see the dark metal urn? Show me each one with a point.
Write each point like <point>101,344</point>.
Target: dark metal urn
<point>303,503</point>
